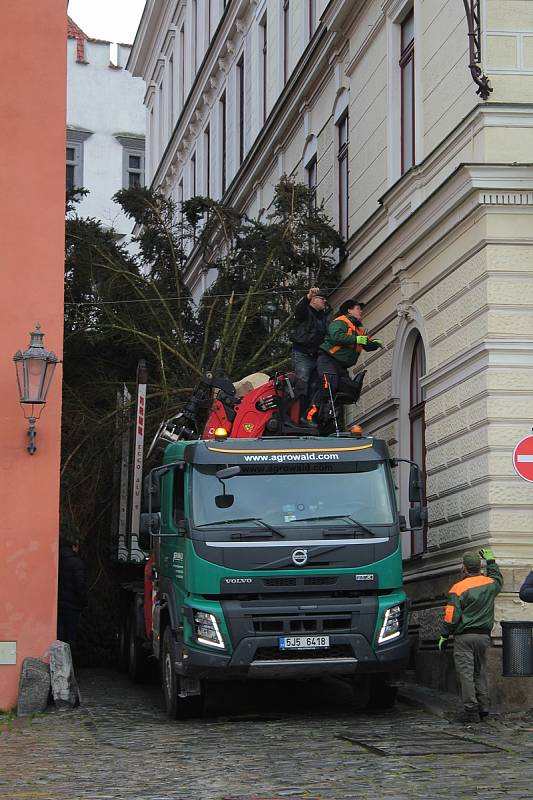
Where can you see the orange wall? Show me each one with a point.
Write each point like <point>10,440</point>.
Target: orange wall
<point>32,181</point>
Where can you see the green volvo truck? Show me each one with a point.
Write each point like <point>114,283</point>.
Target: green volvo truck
<point>271,557</point>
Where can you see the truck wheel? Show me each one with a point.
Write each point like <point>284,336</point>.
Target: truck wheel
<point>176,707</point>
<point>382,694</point>
<point>361,693</point>
<point>122,645</point>
<point>137,655</point>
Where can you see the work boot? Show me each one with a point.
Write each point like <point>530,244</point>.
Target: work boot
<point>469,717</point>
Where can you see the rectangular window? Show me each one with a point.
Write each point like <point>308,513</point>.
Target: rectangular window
<point>311,11</point>
<point>223,142</point>
<point>207,155</point>
<point>407,101</point>
<point>240,109</point>
<point>311,174</point>
<point>74,165</point>
<point>286,40</point>
<point>132,162</point>
<point>194,35</point>
<point>263,31</point>
<point>181,76</point>
<point>135,170</point>
<point>193,175</point>
<point>342,157</point>
<point>161,119</point>
<point>170,95</point>
<point>179,202</point>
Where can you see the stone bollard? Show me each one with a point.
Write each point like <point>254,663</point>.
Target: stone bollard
<point>34,687</point>
<point>65,689</point>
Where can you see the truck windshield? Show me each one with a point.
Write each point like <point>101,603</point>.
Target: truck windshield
<point>316,495</point>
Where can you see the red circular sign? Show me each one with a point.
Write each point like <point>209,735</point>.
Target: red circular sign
<point>523,458</point>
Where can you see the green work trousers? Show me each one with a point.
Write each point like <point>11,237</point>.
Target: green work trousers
<point>470,657</point>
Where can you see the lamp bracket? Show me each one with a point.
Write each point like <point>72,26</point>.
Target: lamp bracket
<point>474,39</point>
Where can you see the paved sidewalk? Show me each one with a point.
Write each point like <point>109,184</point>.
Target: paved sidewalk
<point>268,740</point>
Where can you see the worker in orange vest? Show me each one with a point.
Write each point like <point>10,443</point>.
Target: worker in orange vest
<point>345,340</point>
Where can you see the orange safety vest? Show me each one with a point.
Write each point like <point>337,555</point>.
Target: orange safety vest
<point>352,329</point>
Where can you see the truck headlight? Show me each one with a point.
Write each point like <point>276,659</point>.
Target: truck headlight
<point>391,627</point>
<point>206,629</point>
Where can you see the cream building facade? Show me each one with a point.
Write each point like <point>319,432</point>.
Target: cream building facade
<point>373,103</point>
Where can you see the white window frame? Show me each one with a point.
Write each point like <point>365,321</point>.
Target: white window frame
<point>132,146</point>
<point>341,109</point>
<point>309,156</point>
<point>262,44</point>
<point>310,29</point>
<point>395,12</point>
<point>409,328</point>
<point>222,127</point>
<point>207,146</point>
<point>181,67</point>
<point>240,95</point>
<point>75,141</point>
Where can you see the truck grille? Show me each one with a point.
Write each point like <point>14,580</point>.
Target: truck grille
<point>274,654</point>
<point>313,580</point>
<point>324,624</point>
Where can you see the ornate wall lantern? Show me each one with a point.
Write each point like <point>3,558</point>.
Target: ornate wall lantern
<point>35,370</point>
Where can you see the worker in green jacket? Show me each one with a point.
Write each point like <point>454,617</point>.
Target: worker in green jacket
<point>469,616</point>
<point>345,340</point>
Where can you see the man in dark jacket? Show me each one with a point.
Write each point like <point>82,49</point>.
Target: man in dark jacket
<point>311,317</point>
<point>345,340</point>
<point>72,591</point>
<point>469,616</point>
<point>526,590</point>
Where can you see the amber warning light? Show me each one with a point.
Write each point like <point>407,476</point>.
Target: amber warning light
<point>221,434</point>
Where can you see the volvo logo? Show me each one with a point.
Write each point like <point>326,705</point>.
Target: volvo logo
<point>299,557</point>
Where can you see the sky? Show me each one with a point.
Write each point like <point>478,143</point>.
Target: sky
<point>114,20</point>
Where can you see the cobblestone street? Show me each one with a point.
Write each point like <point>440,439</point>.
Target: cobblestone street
<point>297,741</point>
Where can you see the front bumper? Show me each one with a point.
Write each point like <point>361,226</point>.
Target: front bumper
<point>259,657</point>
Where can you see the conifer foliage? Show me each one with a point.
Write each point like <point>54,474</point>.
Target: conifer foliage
<point>121,306</point>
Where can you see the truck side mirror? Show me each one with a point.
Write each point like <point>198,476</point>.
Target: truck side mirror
<point>416,485</point>
<point>152,486</point>
<point>226,500</point>
<point>149,525</point>
<point>417,516</point>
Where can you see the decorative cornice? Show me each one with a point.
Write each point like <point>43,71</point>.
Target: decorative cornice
<point>130,140</point>
<point>149,95</point>
<point>78,134</point>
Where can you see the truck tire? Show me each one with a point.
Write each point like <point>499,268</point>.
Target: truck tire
<point>137,655</point>
<point>176,707</point>
<point>382,694</point>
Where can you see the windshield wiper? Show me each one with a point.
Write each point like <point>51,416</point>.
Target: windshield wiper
<point>338,516</point>
<point>244,519</point>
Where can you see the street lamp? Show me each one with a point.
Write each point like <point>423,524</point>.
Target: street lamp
<point>35,370</point>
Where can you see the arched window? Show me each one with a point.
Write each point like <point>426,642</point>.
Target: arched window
<point>417,427</point>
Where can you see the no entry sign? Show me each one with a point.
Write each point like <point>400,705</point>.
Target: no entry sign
<point>523,458</point>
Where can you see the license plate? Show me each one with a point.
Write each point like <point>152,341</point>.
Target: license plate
<point>303,642</point>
